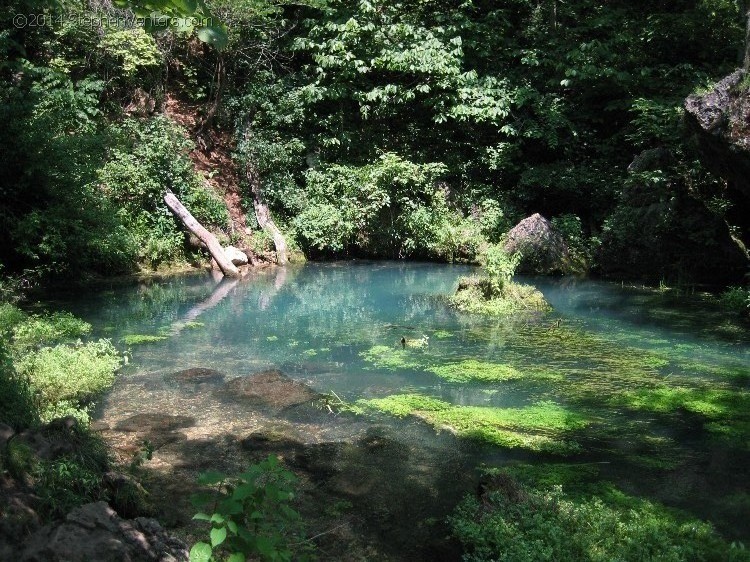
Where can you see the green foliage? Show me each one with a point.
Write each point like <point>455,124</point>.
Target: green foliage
<point>74,478</point>
<point>736,299</point>
<point>250,516</point>
<point>150,158</point>
<point>516,523</point>
<point>392,208</point>
<point>67,377</point>
<point>499,266</point>
<point>17,407</point>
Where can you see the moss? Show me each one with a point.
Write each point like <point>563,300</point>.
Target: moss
<point>138,339</point>
<point>540,427</point>
<point>478,296</point>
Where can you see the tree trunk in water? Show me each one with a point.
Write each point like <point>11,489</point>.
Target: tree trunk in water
<point>264,218</point>
<point>217,252</point>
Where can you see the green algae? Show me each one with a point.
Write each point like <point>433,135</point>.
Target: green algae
<point>541,427</point>
<point>482,371</point>
<point>272,338</point>
<point>388,357</point>
<point>710,403</point>
<point>139,339</point>
<point>442,334</point>
<point>193,325</point>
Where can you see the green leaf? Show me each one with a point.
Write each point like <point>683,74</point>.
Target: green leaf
<point>215,35</point>
<point>211,477</point>
<point>243,491</point>
<point>202,516</point>
<point>218,536</point>
<point>201,552</point>
<point>232,526</point>
<point>185,7</point>
<point>217,518</point>
<point>236,557</point>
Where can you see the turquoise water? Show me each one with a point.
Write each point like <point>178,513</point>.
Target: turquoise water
<point>640,366</point>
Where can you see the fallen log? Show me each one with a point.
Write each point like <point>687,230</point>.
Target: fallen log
<point>217,252</point>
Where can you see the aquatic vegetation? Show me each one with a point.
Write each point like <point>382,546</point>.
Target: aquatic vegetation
<point>310,352</point>
<point>512,522</point>
<point>139,339</point>
<point>473,370</point>
<point>710,403</point>
<point>442,334</point>
<point>272,338</point>
<point>539,427</point>
<point>193,325</point>
<point>392,358</point>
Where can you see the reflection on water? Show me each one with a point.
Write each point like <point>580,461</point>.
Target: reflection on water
<point>620,357</point>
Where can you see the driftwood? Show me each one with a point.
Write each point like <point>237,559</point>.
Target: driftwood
<point>264,218</point>
<point>217,252</point>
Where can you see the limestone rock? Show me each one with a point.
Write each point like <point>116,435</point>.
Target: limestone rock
<point>543,250</point>
<point>268,388</point>
<point>235,255</point>
<point>95,532</point>
<point>720,124</point>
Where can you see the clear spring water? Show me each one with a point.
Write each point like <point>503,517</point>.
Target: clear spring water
<point>315,322</point>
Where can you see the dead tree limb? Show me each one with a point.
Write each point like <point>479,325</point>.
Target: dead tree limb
<point>264,218</point>
<point>217,252</point>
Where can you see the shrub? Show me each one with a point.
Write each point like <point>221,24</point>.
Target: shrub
<point>514,523</point>
<point>69,376</point>
<point>16,404</point>
<point>736,299</point>
<point>250,516</point>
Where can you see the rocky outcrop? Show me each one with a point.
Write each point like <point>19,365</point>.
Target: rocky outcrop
<point>720,124</point>
<point>543,250</point>
<point>95,532</point>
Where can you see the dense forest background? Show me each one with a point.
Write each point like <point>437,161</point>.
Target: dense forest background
<point>413,129</point>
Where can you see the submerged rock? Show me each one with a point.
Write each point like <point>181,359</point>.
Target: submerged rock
<point>146,423</point>
<point>543,250</point>
<point>95,532</point>
<point>268,388</point>
<point>196,376</point>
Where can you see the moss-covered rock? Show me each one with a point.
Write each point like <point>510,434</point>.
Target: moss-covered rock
<point>478,295</point>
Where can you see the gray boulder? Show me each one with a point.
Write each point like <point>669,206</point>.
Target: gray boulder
<point>543,250</point>
<point>235,255</point>
<point>95,532</point>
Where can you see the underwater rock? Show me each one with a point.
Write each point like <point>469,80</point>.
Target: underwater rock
<point>267,388</point>
<point>154,423</point>
<point>196,376</point>
<point>543,250</point>
<point>95,532</point>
